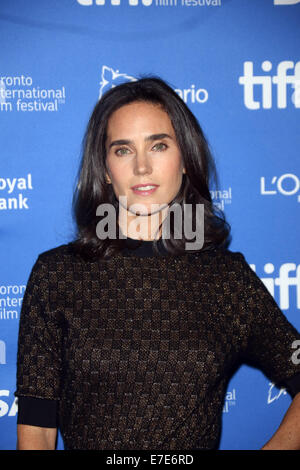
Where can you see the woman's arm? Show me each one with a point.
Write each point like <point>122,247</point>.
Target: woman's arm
<point>35,438</point>
<point>38,363</point>
<point>287,436</point>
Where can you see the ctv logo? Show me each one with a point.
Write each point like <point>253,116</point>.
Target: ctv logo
<point>281,80</point>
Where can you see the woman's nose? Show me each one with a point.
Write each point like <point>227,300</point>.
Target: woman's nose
<point>142,164</point>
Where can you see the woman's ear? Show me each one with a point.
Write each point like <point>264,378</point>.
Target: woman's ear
<point>107,179</point>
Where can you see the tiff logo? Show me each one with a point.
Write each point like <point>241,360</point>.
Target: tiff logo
<point>284,281</point>
<point>281,80</point>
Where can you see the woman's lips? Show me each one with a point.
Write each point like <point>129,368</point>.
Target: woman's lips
<point>144,192</point>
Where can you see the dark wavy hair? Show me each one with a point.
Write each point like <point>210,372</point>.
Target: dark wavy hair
<point>91,188</point>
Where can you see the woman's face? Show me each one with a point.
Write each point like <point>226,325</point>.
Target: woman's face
<point>141,148</point>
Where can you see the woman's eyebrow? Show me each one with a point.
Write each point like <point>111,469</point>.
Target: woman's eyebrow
<point>149,137</point>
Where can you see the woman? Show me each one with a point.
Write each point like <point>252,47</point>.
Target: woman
<point>130,333</point>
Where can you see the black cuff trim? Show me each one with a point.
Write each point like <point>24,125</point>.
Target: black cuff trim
<point>37,412</point>
<point>293,385</point>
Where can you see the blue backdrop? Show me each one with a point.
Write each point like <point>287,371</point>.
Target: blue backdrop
<point>235,63</point>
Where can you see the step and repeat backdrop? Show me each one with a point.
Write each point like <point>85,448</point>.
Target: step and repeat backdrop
<point>236,63</point>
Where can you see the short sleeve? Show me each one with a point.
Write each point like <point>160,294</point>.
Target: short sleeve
<point>39,340</point>
<point>37,412</point>
<point>271,340</point>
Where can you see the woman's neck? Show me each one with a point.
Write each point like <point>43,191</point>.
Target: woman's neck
<point>146,228</point>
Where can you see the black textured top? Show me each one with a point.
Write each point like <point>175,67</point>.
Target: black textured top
<point>136,352</point>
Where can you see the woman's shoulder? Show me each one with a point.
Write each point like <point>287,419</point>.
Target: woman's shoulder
<point>231,256</point>
<point>221,263</point>
<point>220,254</point>
<point>60,253</point>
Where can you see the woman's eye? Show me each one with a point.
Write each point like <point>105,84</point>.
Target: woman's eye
<point>121,151</point>
<point>160,146</point>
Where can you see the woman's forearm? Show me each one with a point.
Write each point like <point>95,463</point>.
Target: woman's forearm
<point>287,436</point>
<point>35,438</point>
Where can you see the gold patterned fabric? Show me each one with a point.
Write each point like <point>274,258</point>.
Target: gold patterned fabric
<point>138,350</point>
